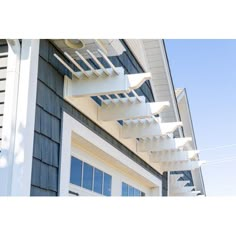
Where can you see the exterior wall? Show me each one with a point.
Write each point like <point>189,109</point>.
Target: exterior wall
<point>3,72</point>
<point>48,122</point>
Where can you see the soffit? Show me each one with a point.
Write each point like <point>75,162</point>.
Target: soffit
<point>150,55</point>
<point>111,47</point>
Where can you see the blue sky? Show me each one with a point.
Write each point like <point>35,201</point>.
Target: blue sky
<point>207,69</point>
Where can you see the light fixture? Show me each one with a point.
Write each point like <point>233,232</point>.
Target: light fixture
<point>74,43</point>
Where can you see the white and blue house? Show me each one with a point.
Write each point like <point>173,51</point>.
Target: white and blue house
<point>94,117</point>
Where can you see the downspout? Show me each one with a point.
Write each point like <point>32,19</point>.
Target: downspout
<point>9,118</point>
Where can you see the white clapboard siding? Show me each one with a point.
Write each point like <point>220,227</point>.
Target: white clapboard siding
<point>1,109</point>
<point>3,73</point>
<point>2,96</point>
<point>3,62</point>
<point>2,85</point>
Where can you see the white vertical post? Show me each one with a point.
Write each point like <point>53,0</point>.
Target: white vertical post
<point>168,183</point>
<point>24,132</point>
<point>65,156</point>
<point>9,118</point>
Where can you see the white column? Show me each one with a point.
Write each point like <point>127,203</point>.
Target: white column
<point>24,133</point>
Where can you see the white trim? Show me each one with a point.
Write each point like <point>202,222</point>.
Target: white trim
<point>172,91</point>
<point>24,133</point>
<point>9,118</point>
<point>69,125</point>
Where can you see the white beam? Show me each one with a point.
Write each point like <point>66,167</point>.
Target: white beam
<point>184,189</point>
<point>134,129</point>
<point>66,66</point>
<point>76,64</point>
<point>122,109</point>
<point>108,61</point>
<point>161,144</point>
<point>87,63</point>
<point>172,156</point>
<point>181,166</point>
<point>98,63</point>
<point>178,184</point>
<point>103,84</point>
<point>188,194</point>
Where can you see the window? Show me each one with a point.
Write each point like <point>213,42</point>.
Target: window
<point>107,185</point>
<point>76,171</point>
<point>136,192</point>
<point>84,175</point>
<point>98,178</point>
<point>128,190</point>
<point>124,189</point>
<point>88,176</point>
<point>131,191</point>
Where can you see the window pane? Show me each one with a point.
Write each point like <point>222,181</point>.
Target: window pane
<point>124,189</point>
<point>88,176</point>
<point>142,194</point>
<point>98,174</point>
<point>107,185</point>
<point>136,192</point>
<point>131,191</point>
<point>75,171</point>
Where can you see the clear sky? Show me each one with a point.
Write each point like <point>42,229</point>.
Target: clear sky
<point>207,69</point>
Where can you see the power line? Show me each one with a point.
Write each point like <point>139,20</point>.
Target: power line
<point>218,147</point>
<point>218,161</point>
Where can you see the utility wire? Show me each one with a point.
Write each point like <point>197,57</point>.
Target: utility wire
<point>223,160</point>
<point>218,161</point>
<point>218,147</point>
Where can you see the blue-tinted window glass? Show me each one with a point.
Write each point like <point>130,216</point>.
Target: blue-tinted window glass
<point>88,176</point>
<point>136,192</point>
<point>124,189</point>
<point>75,171</point>
<point>107,185</point>
<point>98,175</point>
<point>131,191</point>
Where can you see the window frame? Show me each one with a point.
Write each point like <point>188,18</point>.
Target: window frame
<point>71,125</point>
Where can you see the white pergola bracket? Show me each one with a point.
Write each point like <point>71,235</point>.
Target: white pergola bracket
<point>184,189</point>
<point>122,109</point>
<point>187,194</point>
<point>134,129</point>
<point>103,84</point>
<point>172,156</point>
<point>161,144</point>
<point>179,184</point>
<point>181,165</point>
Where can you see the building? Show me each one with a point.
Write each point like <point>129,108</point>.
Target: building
<point>94,117</point>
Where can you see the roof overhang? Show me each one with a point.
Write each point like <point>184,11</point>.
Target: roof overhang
<point>151,54</point>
